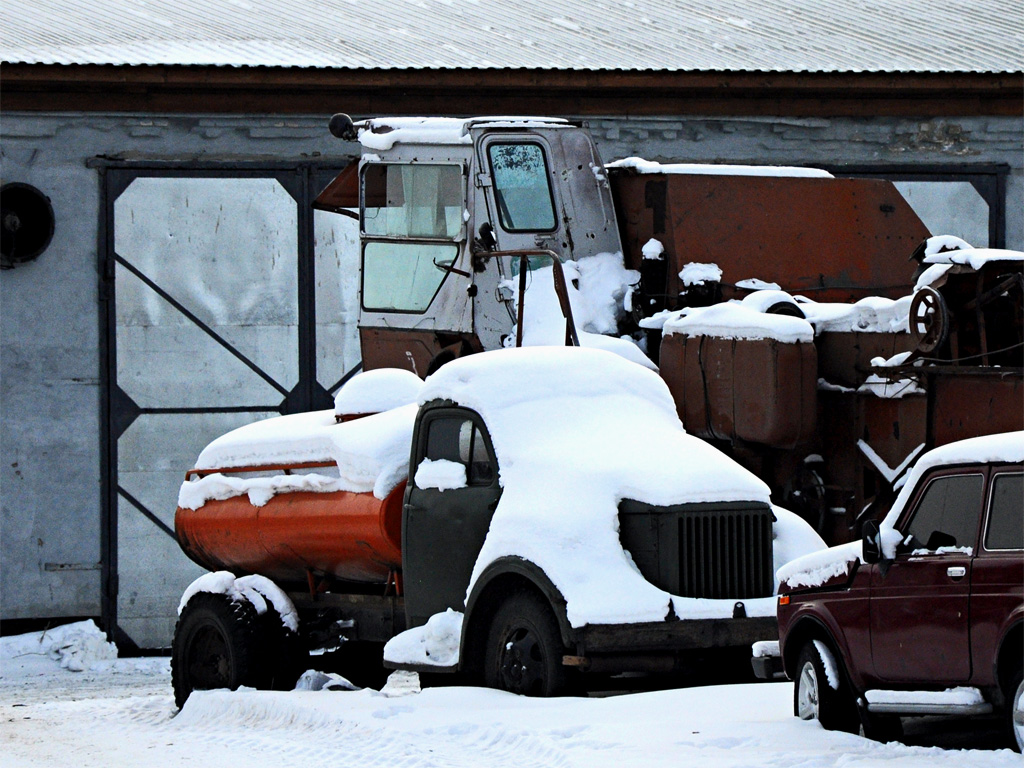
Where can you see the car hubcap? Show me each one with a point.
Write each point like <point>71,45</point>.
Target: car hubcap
<point>807,693</point>
<point>521,663</point>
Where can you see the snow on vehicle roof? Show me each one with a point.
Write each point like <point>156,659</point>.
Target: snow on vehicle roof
<point>576,431</point>
<point>382,133</point>
<point>639,165</point>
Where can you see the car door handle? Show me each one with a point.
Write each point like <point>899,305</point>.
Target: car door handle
<point>956,572</point>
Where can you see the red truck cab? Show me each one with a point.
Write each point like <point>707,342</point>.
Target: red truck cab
<point>924,616</point>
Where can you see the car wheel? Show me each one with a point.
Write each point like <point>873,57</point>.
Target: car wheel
<point>883,728</point>
<point>814,697</point>
<point>524,648</point>
<point>1015,710</point>
<point>216,645</point>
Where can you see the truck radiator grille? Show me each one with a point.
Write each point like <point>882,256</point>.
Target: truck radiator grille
<point>726,554</point>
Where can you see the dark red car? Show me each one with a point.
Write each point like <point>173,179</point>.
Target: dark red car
<point>925,615</point>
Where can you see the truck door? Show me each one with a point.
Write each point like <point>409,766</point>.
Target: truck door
<point>919,607</point>
<point>450,500</point>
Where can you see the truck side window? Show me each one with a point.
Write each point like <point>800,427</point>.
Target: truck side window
<point>522,191</point>
<point>411,220</point>
<point>1006,513</point>
<point>460,440</point>
<point>947,514</point>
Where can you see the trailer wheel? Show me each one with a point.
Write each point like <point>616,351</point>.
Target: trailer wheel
<point>524,648</point>
<point>814,698</point>
<point>216,645</point>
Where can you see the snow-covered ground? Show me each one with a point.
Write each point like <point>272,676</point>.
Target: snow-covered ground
<point>120,712</point>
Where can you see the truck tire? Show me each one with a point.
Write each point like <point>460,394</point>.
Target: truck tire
<point>815,699</point>
<point>284,657</point>
<point>524,649</point>
<point>216,645</point>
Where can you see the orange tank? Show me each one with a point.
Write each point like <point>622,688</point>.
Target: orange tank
<point>351,536</point>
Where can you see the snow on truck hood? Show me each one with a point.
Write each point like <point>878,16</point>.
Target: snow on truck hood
<point>576,431</point>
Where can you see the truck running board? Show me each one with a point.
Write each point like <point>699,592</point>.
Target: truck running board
<point>955,701</point>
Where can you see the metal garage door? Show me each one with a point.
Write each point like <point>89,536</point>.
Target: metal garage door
<point>227,301</point>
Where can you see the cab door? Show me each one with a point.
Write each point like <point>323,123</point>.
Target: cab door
<point>919,604</point>
<point>451,497</point>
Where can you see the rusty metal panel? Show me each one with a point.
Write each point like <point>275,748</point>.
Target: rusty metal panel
<point>969,405</point>
<point>844,358</point>
<point>829,239</point>
<point>343,191</point>
<point>759,391</point>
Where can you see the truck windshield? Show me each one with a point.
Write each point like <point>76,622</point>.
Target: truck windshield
<point>412,216</point>
<point>521,189</point>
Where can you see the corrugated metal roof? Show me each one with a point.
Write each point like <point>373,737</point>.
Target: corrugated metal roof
<point>672,35</point>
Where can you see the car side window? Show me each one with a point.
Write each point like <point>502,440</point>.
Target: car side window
<point>460,440</point>
<point>1005,529</point>
<point>947,514</point>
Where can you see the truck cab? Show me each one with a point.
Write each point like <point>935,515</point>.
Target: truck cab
<point>438,199</point>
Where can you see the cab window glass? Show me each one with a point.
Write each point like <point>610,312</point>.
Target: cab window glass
<point>412,201</point>
<point>521,188</point>
<point>947,514</point>
<point>1006,514</point>
<point>404,277</point>
<point>460,440</point>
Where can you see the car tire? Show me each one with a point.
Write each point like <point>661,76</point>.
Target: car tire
<point>1015,709</point>
<point>882,728</point>
<point>524,650</point>
<point>814,698</point>
<point>216,645</point>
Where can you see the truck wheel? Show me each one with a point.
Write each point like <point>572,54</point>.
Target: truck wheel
<point>815,699</point>
<point>1015,709</point>
<point>524,648</point>
<point>215,646</point>
<point>285,657</point>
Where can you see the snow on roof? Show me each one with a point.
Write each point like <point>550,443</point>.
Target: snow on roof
<point>694,35</point>
<point>382,133</point>
<point>639,165</point>
<point>577,430</point>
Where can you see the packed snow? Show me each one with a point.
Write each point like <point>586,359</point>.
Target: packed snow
<point>435,644</point>
<point>639,165</point>
<point>442,474</point>
<point>696,273</point>
<point>599,288</point>
<point>377,391</point>
<point>370,455</point>
<point>119,713</point>
<point>618,423</point>
<point>735,320</point>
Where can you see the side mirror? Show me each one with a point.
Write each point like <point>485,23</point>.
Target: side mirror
<point>871,542</point>
<point>485,236</point>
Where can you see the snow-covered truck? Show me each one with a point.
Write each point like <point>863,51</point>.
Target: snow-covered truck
<point>843,340</point>
<point>524,516</point>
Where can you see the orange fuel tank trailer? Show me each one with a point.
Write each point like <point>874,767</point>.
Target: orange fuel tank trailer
<point>350,536</point>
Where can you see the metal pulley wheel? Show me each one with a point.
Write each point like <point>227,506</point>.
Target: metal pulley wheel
<point>929,316</point>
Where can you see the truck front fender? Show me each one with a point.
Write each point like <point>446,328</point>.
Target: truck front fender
<point>502,577</point>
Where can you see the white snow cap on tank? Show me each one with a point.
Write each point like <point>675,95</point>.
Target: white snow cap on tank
<point>377,391</point>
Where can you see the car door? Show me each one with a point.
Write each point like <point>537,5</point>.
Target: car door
<point>451,497</point>
<point>919,604</point>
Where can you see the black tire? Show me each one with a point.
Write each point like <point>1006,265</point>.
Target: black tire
<point>815,699</point>
<point>882,728</point>
<point>1015,709</point>
<point>216,645</point>
<point>284,657</point>
<point>523,652</point>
